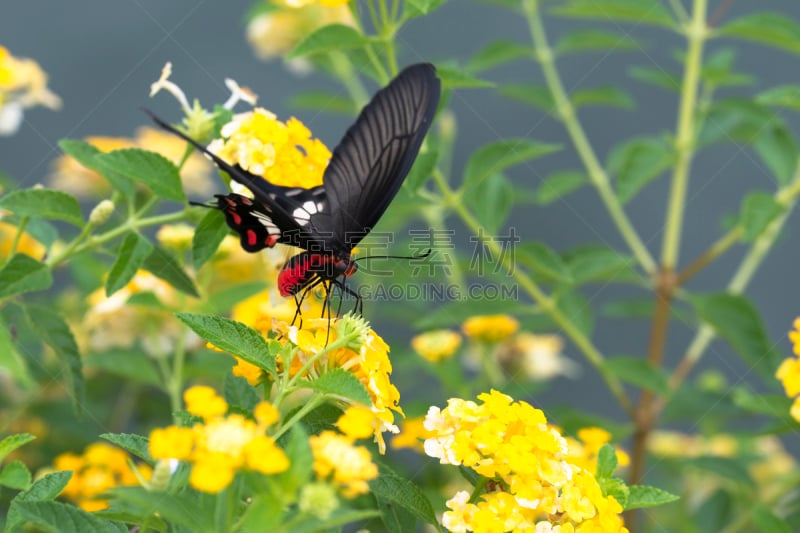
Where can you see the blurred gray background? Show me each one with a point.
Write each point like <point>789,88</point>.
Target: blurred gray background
<point>102,55</point>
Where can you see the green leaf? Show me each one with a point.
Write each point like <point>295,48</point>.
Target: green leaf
<point>43,489</point>
<point>134,444</point>
<point>15,475</point>
<point>424,6</point>
<point>734,120</point>
<point>596,263</point>
<point>769,28</point>
<point>640,496</point>
<point>24,274</point>
<point>778,150</point>
<point>595,41</point>
<point>736,320</point>
<point>301,460</point>
<point>497,53</point>
<point>332,37</point>
<point>57,517</point>
<point>339,382</point>
<point>718,70</point>
<point>322,101</point>
<point>494,157</point>
<point>395,519</point>
<point>454,78</point>
<point>559,184</point>
<point>576,308</point>
<point>775,405</point>
<point>637,162</point>
<point>86,154</point>
<point>657,77</point>
<point>637,11</point>
<point>163,265</point>
<point>132,364</point>
<point>210,232</point>
<point>232,337</point>
<point>616,488</point>
<point>758,210</point>
<point>43,203</point>
<point>728,468</point>
<point>391,487</point>
<point>491,201</point>
<point>603,96</point>
<point>639,372</point>
<point>12,442</point>
<point>422,169</point>
<point>11,361</point>
<point>184,512</point>
<point>768,522</point>
<point>606,461</point>
<point>542,260</point>
<point>140,166</point>
<point>56,333</point>
<point>535,96</point>
<point>239,393</point>
<point>787,96</point>
<point>132,253</point>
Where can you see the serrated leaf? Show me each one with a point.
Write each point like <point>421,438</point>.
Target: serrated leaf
<point>636,163</point>
<point>185,513</point>
<point>43,489</point>
<point>616,488</point>
<point>729,468</point>
<point>769,28</point>
<point>239,393</point>
<point>639,372</point>
<point>454,78</point>
<point>491,201</point>
<point>60,517</point>
<point>24,274</point>
<point>56,333</point>
<point>542,260</point>
<point>778,150</point>
<point>736,320</point>
<point>497,53</point>
<point>322,101</point>
<point>606,461</point>
<point>43,203</point>
<point>134,444</point>
<point>575,308</point>
<point>162,264</point>
<point>232,337</point>
<point>536,96</point>
<point>759,209</point>
<point>422,169</point>
<point>210,232</point>
<point>559,184</point>
<point>130,256</point>
<point>15,475</point>
<point>590,264</point>
<point>339,382</point>
<point>787,96</point>
<point>640,496</point>
<point>333,37</point>
<point>493,158</point>
<point>393,488</point>
<point>12,442</point>
<point>636,11</point>
<point>657,77</point>
<point>603,96</point>
<point>86,154</point>
<point>768,522</point>
<point>149,168</point>
<point>595,41</point>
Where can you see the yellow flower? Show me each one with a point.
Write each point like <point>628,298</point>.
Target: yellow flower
<point>266,414</point>
<point>583,452</point>
<point>348,466</point>
<point>23,84</point>
<point>177,237</point>
<point>204,402</point>
<point>211,473</point>
<point>789,374</point>
<point>490,328</point>
<point>794,336</point>
<point>357,422</point>
<point>171,442</point>
<point>436,345</point>
<point>794,411</point>
<point>539,484</point>
<point>537,356</point>
<point>412,434</point>
<point>26,245</point>
<point>100,467</point>
<point>275,32</point>
<point>282,153</point>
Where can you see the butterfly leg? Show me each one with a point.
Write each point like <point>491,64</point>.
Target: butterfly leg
<point>359,307</point>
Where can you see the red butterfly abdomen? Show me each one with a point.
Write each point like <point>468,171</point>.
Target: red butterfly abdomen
<point>299,271</point>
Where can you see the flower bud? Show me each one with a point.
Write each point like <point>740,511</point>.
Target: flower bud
<point>101,213</point>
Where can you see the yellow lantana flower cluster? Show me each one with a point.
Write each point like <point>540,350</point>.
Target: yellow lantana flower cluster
<point>23,84</point>
<point>490,328</point>
<point>536,486</point>
<point>282,153</point>
<point>222,443</point>
<point>585,450</point>
<point>99,468</point>
<point>789,371</point>
<point>436,345</point>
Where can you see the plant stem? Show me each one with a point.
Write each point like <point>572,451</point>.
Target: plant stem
<point>567,114</point>
<point>18,236</point>
<point>716,250</point>
<point>696,33</point>
<point>349,78</point>
<point>308,406</point>
<point>547,304</point>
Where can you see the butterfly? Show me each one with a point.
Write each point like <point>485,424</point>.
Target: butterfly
<point>365,171</point>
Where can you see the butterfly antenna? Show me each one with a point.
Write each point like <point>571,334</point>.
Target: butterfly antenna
<point>409,257</point>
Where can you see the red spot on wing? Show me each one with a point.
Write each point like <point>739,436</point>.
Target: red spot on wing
<point>252,237</point>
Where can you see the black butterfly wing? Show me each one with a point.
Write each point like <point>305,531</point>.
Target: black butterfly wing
<point>370,163</point>
<point>288,215</point>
